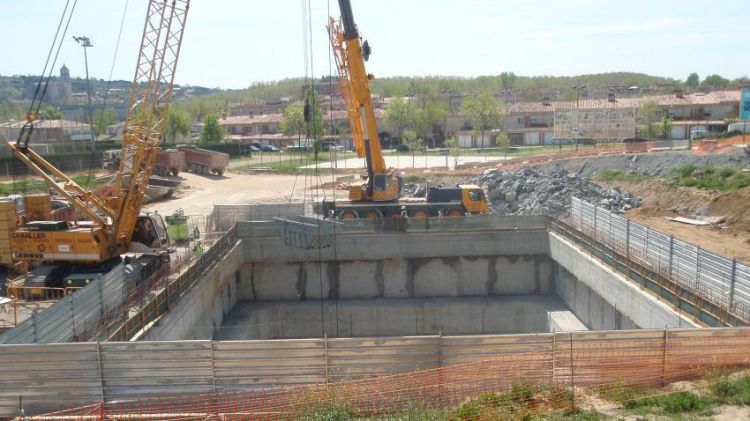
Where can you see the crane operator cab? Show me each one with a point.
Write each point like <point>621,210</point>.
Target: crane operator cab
<point>150,234</point>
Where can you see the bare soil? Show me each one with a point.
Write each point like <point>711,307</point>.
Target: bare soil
<point>198,193</point>
<point>660,200</point>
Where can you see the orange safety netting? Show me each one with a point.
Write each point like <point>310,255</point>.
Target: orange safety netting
<point>512,385</point>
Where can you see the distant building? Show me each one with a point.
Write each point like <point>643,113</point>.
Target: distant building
<point>58,91</point>
<point>533,122</point>
<point>328,85</point>
<point>48,131</point>
<point>267,127</point>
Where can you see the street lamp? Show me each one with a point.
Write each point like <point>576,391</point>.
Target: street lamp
<point>85,42</point>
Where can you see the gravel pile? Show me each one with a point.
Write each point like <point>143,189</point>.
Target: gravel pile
<point>527,191</point>
<point>653,164</point>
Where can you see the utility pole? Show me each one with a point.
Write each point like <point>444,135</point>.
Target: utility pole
<point>578,88</point>
<point>85,42</point>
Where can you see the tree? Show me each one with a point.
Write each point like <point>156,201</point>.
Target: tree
<point>665,126</point>
<point>508,79</point>
<point>212,132</point>
<point>49,112</point>
<point>484,111</point>
<point>428,117</point>
<point>293,120</point>
<point>9,111</point>
<point>693,80</point>
<point>178,123</point>
<point>102,119</point>
<point>399,115</point>
<point>314,125</point>
<point>715,81</point>
<point>648,118</point>
<point>502,142</point>
<point>453,147</point>
<point>414,143</point>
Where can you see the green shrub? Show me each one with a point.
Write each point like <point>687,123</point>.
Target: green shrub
<point>674,403</point>
<point>733,392</point>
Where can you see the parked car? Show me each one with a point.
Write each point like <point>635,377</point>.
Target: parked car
<point>263,147</point>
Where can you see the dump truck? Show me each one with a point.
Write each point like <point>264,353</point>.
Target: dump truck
<point>204,161</point>
<point>169,162</point>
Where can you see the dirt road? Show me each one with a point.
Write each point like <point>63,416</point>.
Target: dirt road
<point>198,193</point>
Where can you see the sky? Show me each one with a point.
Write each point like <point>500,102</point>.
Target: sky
<point>234,43</point>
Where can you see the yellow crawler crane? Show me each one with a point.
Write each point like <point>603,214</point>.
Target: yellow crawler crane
<point>378,196</point>
<point>114,224</point>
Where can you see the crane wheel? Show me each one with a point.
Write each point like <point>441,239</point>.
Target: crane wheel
<point>419,214</point>
<point>453,213</point>
<point>348,215</point>
<point>374,215</point>
<point>393,216</point>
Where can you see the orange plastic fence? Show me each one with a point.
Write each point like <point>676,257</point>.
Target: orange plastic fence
<point>513,385</point>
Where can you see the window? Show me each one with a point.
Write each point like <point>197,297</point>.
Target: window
<point>475,195</point>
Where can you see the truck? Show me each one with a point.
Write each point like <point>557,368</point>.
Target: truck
<point>204,161</point>
<point>449,201</point>
<point>169,162</point>
<point>377,196</point>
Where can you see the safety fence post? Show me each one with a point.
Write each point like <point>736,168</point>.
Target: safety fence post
<point>733,285</point>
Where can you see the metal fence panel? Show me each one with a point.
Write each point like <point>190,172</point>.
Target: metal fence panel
<point>721,280</point>
<point>72,315</point>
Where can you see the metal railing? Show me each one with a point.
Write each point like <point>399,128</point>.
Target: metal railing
<point>164,293</point>
<point>725,282</point>
<point>260,229</point>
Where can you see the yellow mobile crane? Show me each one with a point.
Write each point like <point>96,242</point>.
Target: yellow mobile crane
<point>114,224</point>
<point>378,196</point>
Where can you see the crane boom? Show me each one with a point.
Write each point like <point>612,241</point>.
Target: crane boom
<point>114,219</point>
<point>150,97</point>
<point>350,54</point>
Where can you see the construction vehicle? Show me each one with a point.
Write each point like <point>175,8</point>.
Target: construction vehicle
<point>168,162</point>
<point>377,196</point>
<point>114,225</point>
<point>203,161</point>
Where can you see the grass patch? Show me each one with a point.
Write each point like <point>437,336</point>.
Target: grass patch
<point>673,403</point>
<point>28,185</point>
<point>732,392</point>
<point>614,175</point>
<point>710,177</point>
<point>331,413</point>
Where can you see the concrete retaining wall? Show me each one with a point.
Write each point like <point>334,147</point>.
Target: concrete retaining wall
<point>392,317</point>
<point>397,278</point>
<point>202,309</point>
<point>604,299</point>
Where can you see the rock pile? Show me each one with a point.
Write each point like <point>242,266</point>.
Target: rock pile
<point>530,192</point>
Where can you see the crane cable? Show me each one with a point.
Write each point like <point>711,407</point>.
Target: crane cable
<point>36,103</point>
<point>109,79</point>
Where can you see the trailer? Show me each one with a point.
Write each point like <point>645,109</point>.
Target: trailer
<point>449,202</point>
<point>169,162</point>
<point>204,161</point>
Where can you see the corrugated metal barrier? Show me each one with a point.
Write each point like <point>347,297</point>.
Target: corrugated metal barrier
<point>723,281</point>
<point>281,379</point>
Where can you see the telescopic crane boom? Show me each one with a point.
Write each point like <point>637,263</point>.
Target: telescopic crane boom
<point>377,198</point>
<point>350,53</point>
